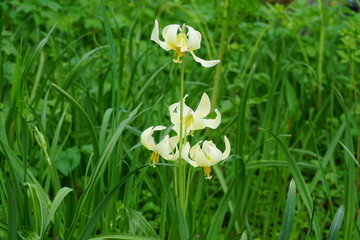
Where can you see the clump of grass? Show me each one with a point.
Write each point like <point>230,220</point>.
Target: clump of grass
<point>88,78</point>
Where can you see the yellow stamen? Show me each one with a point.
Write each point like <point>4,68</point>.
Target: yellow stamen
<point>177,55</point>
<point>154,158</point>
<point>183,42</point>
<point>207,173</point>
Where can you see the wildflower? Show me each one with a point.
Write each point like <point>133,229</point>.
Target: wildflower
<point>206,155</point>
<point>165,148</point>
<point>180,42</point>
<point>193,120</point>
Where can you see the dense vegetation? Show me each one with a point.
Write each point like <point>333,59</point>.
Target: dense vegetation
<point>81,80</point>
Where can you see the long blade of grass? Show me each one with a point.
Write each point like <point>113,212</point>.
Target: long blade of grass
<point>218,217</point>
<point>183,228</point>
<point>56,203</point>
<point>299,180</point>
<point>350,189</point>
<point>12,223</point>
<point>336,224</point>
<point>88,229</point>
<point>289,212</point>
<point>99,169</point>
<point>84,116</point>
<point>350,154</point>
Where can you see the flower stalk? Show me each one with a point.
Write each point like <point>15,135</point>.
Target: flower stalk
<point>182,166</point>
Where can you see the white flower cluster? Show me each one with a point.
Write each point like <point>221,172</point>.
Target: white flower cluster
<point>203,154</point>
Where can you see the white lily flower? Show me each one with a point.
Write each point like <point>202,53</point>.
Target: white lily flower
<point>206,155</point>
<point>165,148</point>
<point>193,120</point>
<point>180,42</point>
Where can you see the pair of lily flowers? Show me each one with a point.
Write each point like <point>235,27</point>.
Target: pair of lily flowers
<point>205,153</point>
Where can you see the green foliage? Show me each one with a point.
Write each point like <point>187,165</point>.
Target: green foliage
<point>81,80</point>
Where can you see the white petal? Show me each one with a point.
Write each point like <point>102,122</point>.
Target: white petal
<point>194,39</point>
<point>198,122</point>
<point>226,153</point>
<point>174,117</point>
<point>197,154</point>
<point>173,141</point>
<point>185,155</point>
<point>172,157</point>
<point>155,33</point>
<point>213,123</point>
<point>155,37</point>
<point>170,33</point>
<point>147,139</point>
<point>167,145</point>
<point>204,106</point>
<point>213,153</point>
<point>203,62</point>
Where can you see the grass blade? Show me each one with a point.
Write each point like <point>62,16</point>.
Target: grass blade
<point>56,203</point>
<point>289,213</point>
<point>299,180</point>
<point>336,224</point>
<point>11,212</point>
<point>84,116</point>
<point>88,229</point>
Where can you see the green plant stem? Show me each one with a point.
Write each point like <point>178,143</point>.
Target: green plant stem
<point>321,50</point>
<point>182,166</point>
<point>221,55</point>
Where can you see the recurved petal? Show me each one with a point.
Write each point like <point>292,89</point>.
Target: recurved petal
<point>194,39</point>
<point>204,63</point>
<point>204,106</point>
<point>147,139</point>
<point>155,37</point>
<point>155,33</point>
<point>213,123</point>
<point>174,117</point>
<point>226,153</point>
<point>185,155</point>
<point>170,33</point>
<point>172,157</point>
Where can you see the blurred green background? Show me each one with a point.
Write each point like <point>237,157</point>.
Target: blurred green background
<point>292,70</point>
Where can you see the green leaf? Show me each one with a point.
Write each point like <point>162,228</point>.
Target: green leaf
<point>56,203</point>
<point>84,116</point>
<point>299,180</point>
<point>289,212</point>
<point>89,228</point>
<point>336,224</point>
<point>68,160</point>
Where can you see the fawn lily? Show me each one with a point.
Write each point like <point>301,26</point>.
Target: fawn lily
<point>206,155</point>
<point>165,148</point>
<point>193,120</point>
<point>180,42</point>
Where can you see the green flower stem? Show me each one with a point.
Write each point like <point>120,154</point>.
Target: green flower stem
<point>321,50</point>
<point>182,166</point>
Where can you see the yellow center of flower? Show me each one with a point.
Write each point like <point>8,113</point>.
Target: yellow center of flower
<point>207,173</point>
<point>189,121</point>
<point>154,158</point>
<point>183,42</point>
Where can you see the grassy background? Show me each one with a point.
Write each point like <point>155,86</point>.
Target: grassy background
<point>86,74</point>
